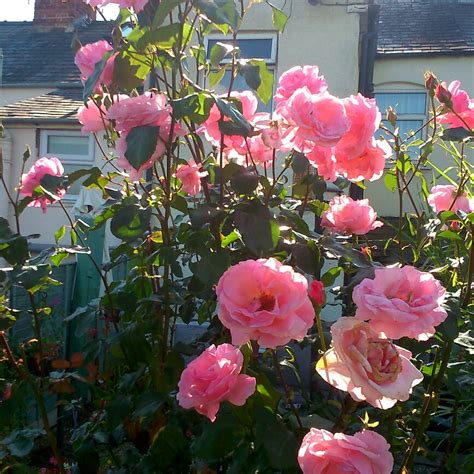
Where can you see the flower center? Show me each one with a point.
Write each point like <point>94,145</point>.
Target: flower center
<point>267,302</point>
<point>384,361</point>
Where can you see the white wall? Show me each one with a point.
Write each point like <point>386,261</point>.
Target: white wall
<point>10,95</point>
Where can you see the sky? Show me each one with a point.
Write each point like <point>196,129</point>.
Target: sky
<point>23,10</point>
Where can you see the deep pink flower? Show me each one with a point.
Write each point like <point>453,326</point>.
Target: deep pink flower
<point>324,160</point>
<point>401,302</point>
<point>369,165</point>
<point>365,118</point>
<point>190,176</point>
<point>272,307</point>
<point>459,98</point>
<point>322,452</point>
<point>296,78</point>
<point>319,119</point>
<point>214,377</point>
<point>366,365</point>
<point>445,197</point>
<point>443,94</point>
<point>348,216</point>
<point>92,118</point>
<point>91,54</point>
<point>317,293</point>
<point>31,180</point>
<point>146,109</point>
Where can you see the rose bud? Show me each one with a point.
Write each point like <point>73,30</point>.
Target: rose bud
<point>316,293</point>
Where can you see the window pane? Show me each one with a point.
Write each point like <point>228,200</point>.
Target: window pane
<point>252,48</point>
<point>75,188</point>
<point>68,145</point>
<point>403,103</point>
<point>240,85</point>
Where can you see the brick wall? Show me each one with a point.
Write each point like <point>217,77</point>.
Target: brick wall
<point>60,13</point>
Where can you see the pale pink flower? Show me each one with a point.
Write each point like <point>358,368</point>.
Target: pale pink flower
<point>366,365</point>
<point>31,180</point>
<point>461,104</point>
<point>89,55</point>
<point>369,165</point>
<point>459,98</point>
<point>445,197</point>
<point>271,136</point>
<point>272,307</point>
<point>214,377</point>
<point>296,78</point>
<point>348,216</point>
<point>324,160</point>
<point>146,109</point>
<point>319,119</point>
<point>93,118</point>
<point>365,118</point>
<point>401,302</point>
<point>323,452</point>
<point>190,176</point>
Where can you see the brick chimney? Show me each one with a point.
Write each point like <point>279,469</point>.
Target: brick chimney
<point>51,14</point>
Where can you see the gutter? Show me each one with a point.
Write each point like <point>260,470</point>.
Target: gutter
<point>368,54</point>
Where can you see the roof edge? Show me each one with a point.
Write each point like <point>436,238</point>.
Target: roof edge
<point>391,54</point>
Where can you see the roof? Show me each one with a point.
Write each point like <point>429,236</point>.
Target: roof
<point>423,28</point>
<point>33,57</point>
<point>57,106</point>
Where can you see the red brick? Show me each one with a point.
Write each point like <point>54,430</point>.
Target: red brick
<point>60,13</point>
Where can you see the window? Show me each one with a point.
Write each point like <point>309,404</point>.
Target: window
<point>76,151</point>
<point>252,46</point>
<point>409,106</point>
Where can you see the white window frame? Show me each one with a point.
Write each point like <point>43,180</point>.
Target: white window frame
<point>246,36</point>
<point>67,159</point>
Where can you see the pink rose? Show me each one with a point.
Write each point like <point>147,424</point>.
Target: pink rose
<point>369,165</point>
<point>93,118</point>
<point>210,127</point>
<point>214,377</point>
<point>320,119</point>
<point>322,452</point>
<point>296,78</point>
<point>31,180</point>
<point>347,216</point>
<point>445,198</point>
<point>324,160</point>
<point>401,302</point>
<point>190,176</point>
<point>146,109</point>
<point>365,118</point>
<point>89,55</point>
<point>271,136</point>
<point>96,3</point>
<point>316,293</point>
<point>460,102</point>
<point>136,174</point>
<point>272,307</point>
<point>459,98</point>
<point>366,365</point>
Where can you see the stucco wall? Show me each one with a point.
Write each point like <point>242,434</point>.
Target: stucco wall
<point>406,74</point>
<point>9,95</point>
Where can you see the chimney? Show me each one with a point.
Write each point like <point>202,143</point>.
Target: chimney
<point>51,14</point>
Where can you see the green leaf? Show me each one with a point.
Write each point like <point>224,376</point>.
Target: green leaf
<point>166,37</point>
<point>279,18</point>
<point>130,222</point>
<point>259,229</point>
<point>450,235</point>
<point>300,163</point>
<point>216,76</point>
<point>244,181</point>
<point>141,144</point>
<point>258,77</point>
<point>266,395</point>
<point>13,247</point>
<point>93,79</point>
<point>218,52</point>
<point>330,276</point>
<point>164,9</point>
<point>220,12</point>
<point>218,439</point>
<point>60,233</point>
<point>390,179</point>
<point>130,71</point>
<point>457,134</point>
<point>210,267</point>
<point>196,107</point>
<point>240,125</point>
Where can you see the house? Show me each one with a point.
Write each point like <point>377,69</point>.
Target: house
<point>41,87</point>
<point>415,36</point>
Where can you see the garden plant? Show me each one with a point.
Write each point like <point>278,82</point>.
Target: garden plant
<point>219,213</point>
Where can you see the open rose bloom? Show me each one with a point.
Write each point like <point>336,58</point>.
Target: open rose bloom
<point>265,301</point>
<point>347,216</point>
<point>31,180</point>
<point>401,302</point>
<point>446,198</point>
<point>462,113</point>
<point>323,452</point>
<point>89,55</point>
<point>214,377</point>
<point>370,367</point>
<point>190,176</point>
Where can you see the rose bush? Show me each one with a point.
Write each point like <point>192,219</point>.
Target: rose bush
<point>211,353</point>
